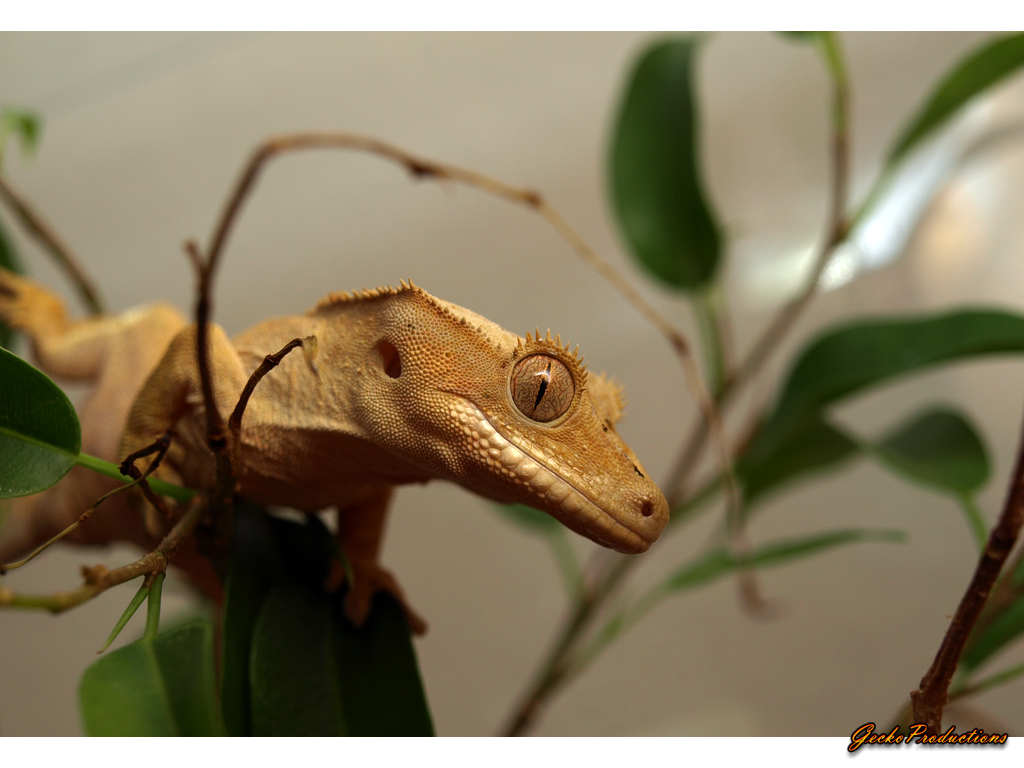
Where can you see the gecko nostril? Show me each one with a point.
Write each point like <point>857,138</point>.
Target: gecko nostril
<point>647,509</point>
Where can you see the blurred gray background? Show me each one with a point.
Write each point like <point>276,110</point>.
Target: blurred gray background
<point>144,133</point>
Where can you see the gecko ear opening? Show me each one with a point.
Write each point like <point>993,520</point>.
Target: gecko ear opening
<point>390,359</point>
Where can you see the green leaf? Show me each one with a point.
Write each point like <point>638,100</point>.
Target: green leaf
<point>307,670</point>
<point>528,518</point>
<point>980,70</point>
<point>1003,629</point>
<point>853,357</point>
<point>718,562</point>
<point>293,675</point>
<point>154,687</point>
<point>814,447</point>
<point>39,431</point>
<point>381,690</point>
<point>253,570</point>
<point>938,448</point>
<point>9,261</point>
<point>656,185</point>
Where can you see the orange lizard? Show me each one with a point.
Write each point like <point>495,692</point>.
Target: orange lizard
<point>408,388</point>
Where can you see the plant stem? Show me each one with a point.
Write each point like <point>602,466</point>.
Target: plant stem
<point>975,520</point>
<point>568,564</point>
<point>931,696</point>
<point>555,669</point>
<point>153,607</point>
<point>710,322</point>
<point>99,579</point>
<point>170,490</point>
<point>42,231</point>
<point>969,689</point>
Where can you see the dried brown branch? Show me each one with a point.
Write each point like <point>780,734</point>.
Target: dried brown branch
<point>270,362</point>
<point>128,469</point>
<point>43,232</point>
<point>932,695</point>
<point>159,447</point>
<point>529,198</point>
<point>99,579</point>
<point>216,434</point>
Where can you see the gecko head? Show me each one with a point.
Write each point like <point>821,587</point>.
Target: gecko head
<point>514,420</point>
<point>555,426</point>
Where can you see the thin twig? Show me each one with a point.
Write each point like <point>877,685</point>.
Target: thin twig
<point>676,491</point>
<point>558,666</point>
<point>44,233</point>
<point>270,362</point>
<point>531,199</point>
<point>160,447</point>
<point>128,469</point>
<point>216,436</point>
<point>931,696</point>
<point>222,497</point>
<point>837,229</point>
<point>99,579</point>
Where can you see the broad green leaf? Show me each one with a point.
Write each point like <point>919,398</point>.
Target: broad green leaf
<point>938,448</point>
<point>39,431</point>
<point>853,357</point>
<point>1003,629</point>
<point>656,185</point>
<point>381,690</point>
<point>9,261</point>
<point>254,567</point>
<point>528,518</point>
<point>980,70</point>
<point>814,447</point>
<point>293,675</point>
<point>159,687</point>
<point>718,562</point>
<point>309,671</point>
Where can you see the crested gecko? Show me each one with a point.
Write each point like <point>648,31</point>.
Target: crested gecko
<point>409,388</point>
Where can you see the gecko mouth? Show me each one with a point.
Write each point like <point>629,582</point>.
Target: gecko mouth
<point>560,498</point>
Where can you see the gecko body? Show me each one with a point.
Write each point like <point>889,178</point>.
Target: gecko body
<point>407,388</point>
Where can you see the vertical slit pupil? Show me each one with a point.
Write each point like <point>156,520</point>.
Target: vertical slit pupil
<point>544,379</point>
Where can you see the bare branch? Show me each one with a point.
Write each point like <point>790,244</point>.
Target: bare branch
<point>270,362</point>
<point>160,447</point>
<point>42,231</point>
<point>932,695</point>
<point>128,469</point>
<point>531,199</point>
<point>99,579</point>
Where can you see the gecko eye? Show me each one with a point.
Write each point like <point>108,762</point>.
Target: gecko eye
<point>542,387</point>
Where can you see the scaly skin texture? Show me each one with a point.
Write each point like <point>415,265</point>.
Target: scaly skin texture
<point>408,388</point>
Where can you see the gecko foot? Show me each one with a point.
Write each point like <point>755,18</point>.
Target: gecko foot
<point>369,579</point>
<point>24,302</point>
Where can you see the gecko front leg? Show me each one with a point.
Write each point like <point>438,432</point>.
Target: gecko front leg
<point>360,531</point>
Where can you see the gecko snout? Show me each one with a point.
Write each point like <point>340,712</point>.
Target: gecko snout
<point>646,515</point>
